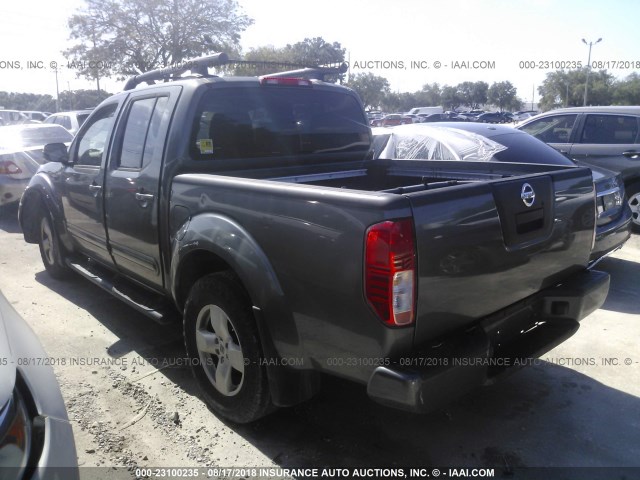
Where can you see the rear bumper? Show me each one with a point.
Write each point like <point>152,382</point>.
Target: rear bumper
<point>612,236</point>
<point>11,190</point>
<point>500,343</point>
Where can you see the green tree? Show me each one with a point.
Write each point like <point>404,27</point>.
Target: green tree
<point>627,91</point>
<point>27,101</point>
<point>566,88</point>
<point>429,96</point>
<point>473,94</point>
<point>371,88</point>
<point>309,52</point>
<point>81,99</point>
<point>132,36</point>
<point>504,95</point>
<point>451,98</point>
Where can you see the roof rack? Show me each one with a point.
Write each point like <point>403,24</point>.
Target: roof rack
<point>316,73</point>
<point>198,66</point>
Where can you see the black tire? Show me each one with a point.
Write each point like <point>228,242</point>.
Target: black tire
<point>633,197</point>
<point>224,349</point>
<point>50,248</point>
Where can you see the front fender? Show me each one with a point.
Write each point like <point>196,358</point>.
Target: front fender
<point>41,193</point>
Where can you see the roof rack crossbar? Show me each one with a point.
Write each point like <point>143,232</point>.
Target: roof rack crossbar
<point>198,65</point>
<point>316,73</point>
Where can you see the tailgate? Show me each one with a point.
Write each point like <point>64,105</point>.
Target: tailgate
<point>484,246</point>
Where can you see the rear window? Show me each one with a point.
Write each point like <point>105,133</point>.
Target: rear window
<point>275,121</point>
<point>524,148</point>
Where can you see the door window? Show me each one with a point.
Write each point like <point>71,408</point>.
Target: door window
<point>92,141</point>
<point>610,129</point>
<point>552,129</point>
<point>141,132</point>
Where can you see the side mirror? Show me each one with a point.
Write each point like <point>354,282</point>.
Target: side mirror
<point>56,152</point>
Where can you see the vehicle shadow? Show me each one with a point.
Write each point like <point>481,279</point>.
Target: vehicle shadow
<point>624,289</point>
<point>9,219</point>
<point>543,415</point>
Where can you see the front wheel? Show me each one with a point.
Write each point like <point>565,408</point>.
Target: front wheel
<point>50,248</point>
<point>224,349</point>
<point>633,195</point>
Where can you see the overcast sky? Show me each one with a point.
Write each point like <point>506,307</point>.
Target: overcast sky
<point>495,34</point>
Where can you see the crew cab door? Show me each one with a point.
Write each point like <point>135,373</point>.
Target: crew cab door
<point>609,141</point>
<point>132,184</point>
<point>82,184</point>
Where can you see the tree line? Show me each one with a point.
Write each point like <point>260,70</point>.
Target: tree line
<point>69,100</point>
<point>376,93</point>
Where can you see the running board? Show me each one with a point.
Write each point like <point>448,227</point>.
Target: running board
<point>149,304</point>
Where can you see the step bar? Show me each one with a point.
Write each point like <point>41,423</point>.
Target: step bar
<point>147,303</point>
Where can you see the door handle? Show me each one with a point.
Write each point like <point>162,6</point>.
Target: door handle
<point>144,199</point>
<point>631,154</point>
<point>95,189</point>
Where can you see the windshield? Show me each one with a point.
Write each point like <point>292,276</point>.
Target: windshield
<point>277,121</point>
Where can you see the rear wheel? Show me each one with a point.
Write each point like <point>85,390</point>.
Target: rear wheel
<point>633,194</point>
<point>224,349</point>
<point>50,248</point>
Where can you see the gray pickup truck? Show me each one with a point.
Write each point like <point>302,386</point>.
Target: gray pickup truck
<point>251,209</point>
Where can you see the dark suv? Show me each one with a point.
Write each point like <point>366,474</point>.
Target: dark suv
<point>607,137</point>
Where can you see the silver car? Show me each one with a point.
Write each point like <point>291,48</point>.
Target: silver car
<point>21,148</point>
<point>606,137</point>
<point>478,142</point>
<point>36,438</point>
<point>72,120</point>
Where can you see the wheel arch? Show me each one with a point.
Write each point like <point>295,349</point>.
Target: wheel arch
<point>39,195</point>
<point>210,243</point>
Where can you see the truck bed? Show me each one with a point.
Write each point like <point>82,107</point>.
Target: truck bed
<point>479,248</point>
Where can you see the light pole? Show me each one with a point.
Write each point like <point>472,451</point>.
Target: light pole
<point>586,84</point>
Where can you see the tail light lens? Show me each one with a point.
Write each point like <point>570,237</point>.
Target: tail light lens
<point>7,167</point>
<point>390,279</point>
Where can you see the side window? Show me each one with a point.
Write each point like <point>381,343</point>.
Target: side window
<point>552,129</point>
<point>141,132</point>
<point>610,129</point>
<point>65,121</point>
<point>92,142</point>
<point>154,143</point>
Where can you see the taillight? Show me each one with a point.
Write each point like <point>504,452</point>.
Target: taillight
<point>289,81</point>
<point>390,282</point>
<point>7,167</point>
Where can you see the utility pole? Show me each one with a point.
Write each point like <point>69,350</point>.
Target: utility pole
<point>586,83</point>
<point>57,91</point>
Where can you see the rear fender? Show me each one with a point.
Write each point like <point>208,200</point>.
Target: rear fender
<point>226,245</point>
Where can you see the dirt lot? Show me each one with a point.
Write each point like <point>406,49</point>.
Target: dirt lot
<point>132,403</point>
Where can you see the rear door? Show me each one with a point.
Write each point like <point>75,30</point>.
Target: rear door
<point>133,182</point>
<point>610,141</point>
